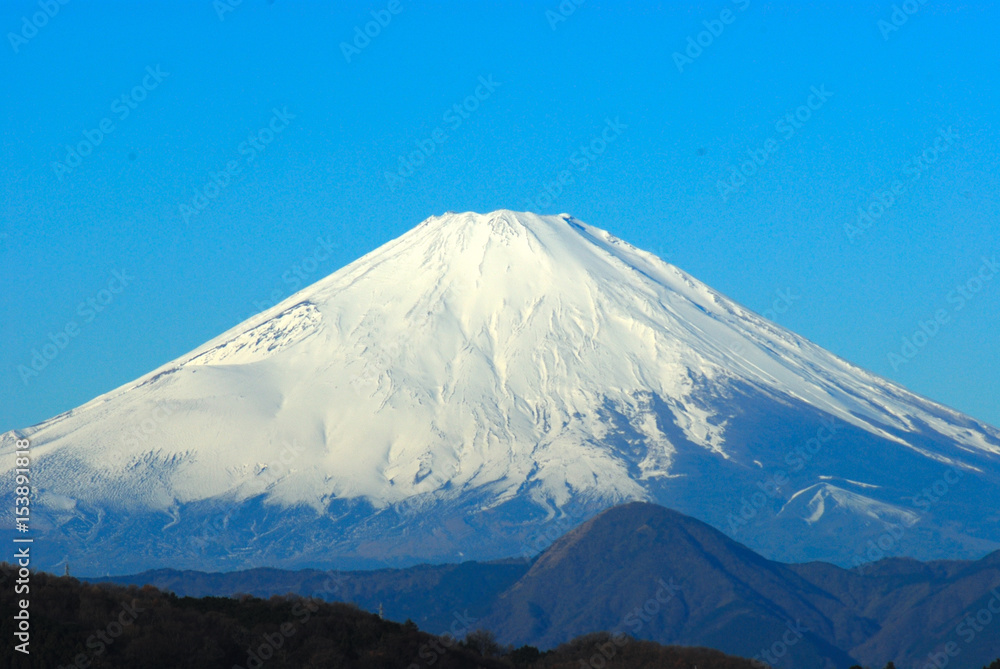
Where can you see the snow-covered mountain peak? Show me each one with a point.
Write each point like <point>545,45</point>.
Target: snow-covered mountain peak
<point>499,221</point>
<point>486,361</point>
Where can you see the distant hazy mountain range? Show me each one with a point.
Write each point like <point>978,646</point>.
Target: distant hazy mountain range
<point>460,391</point>
<point>652,573</point>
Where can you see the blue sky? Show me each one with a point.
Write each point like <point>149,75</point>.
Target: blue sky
<point>234,155</point>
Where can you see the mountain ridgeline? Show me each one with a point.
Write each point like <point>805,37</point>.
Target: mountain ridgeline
<point>113,627</point>
<point>651,573</point>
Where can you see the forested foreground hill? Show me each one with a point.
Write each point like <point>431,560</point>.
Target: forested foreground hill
<point>661,576</point>
<point>75,624</point>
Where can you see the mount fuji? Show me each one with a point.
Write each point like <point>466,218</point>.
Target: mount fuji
<point>476,387</point>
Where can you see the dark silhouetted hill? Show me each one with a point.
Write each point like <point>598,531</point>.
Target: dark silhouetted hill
<point>102,626</point>
<point>655,574</point>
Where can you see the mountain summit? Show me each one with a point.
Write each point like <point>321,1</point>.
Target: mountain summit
<point>468,386</point>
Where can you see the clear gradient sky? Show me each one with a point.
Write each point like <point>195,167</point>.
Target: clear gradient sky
<point>900,109</point>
